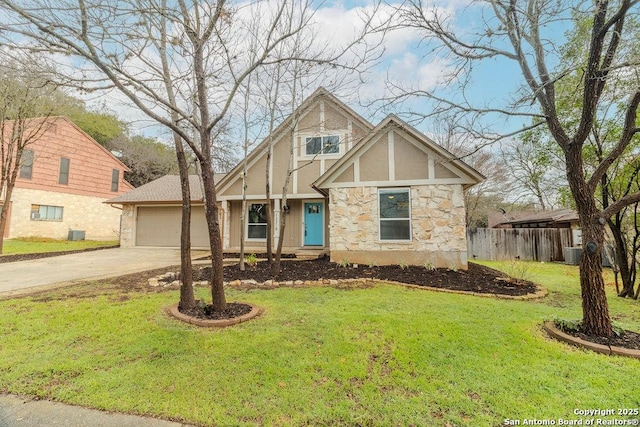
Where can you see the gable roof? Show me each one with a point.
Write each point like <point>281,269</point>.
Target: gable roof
<point>393,122</point>
<point>321,92</point>
<point>165,189</point>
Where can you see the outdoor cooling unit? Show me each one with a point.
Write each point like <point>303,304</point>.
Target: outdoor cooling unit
<point>76,235</point>
<point>572,257</point>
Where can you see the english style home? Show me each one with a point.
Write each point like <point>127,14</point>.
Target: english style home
<point>64,179</point>
<point>366,194</point>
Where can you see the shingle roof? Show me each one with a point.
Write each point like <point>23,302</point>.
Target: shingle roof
<point>165,189</point>
<point>559,215</point>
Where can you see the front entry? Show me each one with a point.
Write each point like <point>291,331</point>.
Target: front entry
<point>313,224</point>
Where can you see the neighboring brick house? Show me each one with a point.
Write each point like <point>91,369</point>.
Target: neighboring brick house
<point>364,194</point>
<point>64,179</point>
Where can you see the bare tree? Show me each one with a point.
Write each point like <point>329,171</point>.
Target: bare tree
<point>252,124</point>
<point>206,48</point>
<point>24,117</point>
<point>534,168</point>
<point>487,195</point>
<point>514,31</point>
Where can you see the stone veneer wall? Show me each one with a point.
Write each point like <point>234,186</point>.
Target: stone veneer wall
<point>127,226</point>
<point>99,220</point>
<point>437,226</point>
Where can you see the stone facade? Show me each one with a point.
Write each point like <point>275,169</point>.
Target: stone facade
<point>99,220</point>
<point>437,228</point>
<point>127,226</point>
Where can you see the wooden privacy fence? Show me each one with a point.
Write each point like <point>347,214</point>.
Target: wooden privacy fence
<point>531,244</point>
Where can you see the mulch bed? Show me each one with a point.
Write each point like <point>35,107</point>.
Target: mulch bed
<point>477,278</point>
<point>27,257</point>
<point>206,312</point>
<point>626,339</point>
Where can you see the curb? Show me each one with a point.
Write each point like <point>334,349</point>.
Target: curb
<point>556,333</point>
<point>172,310</point>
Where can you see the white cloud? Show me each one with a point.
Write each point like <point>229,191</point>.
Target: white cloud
<point>410,70</point>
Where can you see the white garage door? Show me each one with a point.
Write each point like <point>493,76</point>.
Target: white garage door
<point>160,226</point>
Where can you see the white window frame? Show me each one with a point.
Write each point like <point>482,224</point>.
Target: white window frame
<point>247,224</point>
<point>382,191</point>
<point>322,153</point>
<point>36,216</point>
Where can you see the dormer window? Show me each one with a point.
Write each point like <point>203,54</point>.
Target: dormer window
<point>323,145</point>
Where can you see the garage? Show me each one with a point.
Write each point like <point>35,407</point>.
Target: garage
<point>160,226</point>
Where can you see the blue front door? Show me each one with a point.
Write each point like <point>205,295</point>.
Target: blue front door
<point>313,224</point>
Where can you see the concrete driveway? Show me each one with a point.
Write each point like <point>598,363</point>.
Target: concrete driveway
<point>17,278</point>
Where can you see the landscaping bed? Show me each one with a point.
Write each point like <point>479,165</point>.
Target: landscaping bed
<point>39,255</point>
<point>477,278</point>
<point>623,338</point>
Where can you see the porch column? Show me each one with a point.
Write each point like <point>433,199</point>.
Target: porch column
<point>226,224</point>
<point>276,221</point>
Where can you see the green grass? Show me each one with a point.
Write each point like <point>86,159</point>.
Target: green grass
<point>381,356</point>
<point>32,245</point>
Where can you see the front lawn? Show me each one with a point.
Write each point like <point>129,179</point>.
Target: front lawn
<point>379,356</point>
<point>32,245</point>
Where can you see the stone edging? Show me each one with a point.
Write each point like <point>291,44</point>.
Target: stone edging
<point>210,323</point>
<point>540,292</point>
<point>556,333</point>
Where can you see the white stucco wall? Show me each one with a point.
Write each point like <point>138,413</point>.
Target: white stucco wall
<point>99,220</point>
<point>437,228</point>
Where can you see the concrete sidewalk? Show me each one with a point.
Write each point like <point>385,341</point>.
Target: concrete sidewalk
<point>20,277</point>
<point>22,412</point>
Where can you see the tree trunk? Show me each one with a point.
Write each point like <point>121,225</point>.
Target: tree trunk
<point>3,222</point>
<point>595,309</point>
<point>187,297</point>
<point>4,212</point>
<point>622,258</point>
<point>243,212</point>
<point>269,211</point>
<point>211,213</point>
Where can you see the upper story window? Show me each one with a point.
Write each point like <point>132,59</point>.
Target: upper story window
<point>322,145</point>
<point>395,214</point>
<point>26,164</point>
<point>115,179</point>
<point>63,177</point>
